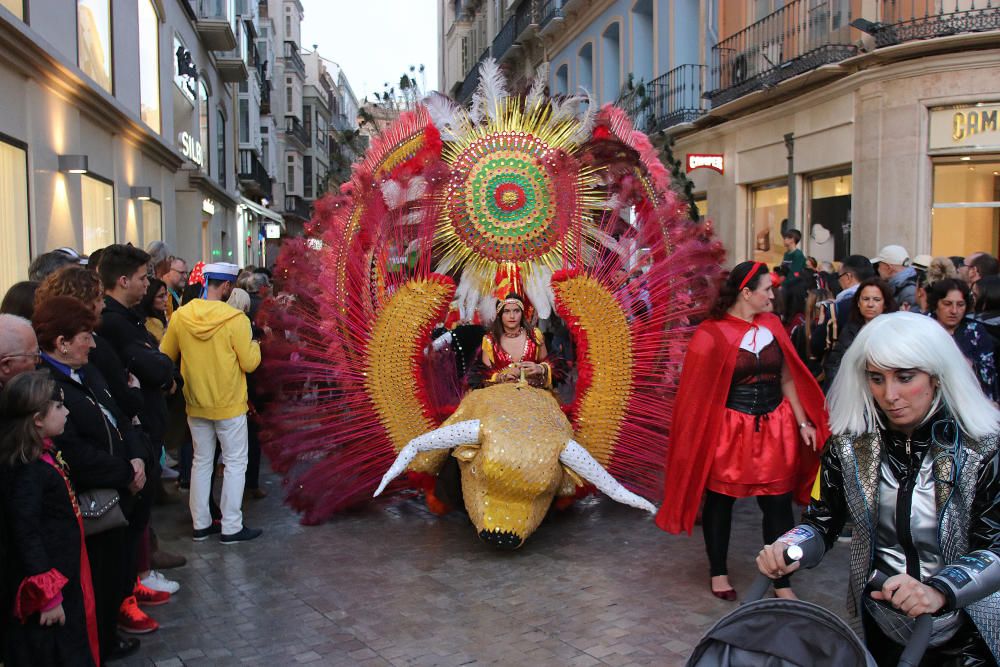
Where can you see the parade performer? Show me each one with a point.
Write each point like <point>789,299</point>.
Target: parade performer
<point>552,200</point>
<point>914,462</point>
<point>512,347</point>
<point>750,419</point>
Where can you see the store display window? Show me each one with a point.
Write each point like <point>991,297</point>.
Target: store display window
<point>966,210</point>
<point>768,213</point>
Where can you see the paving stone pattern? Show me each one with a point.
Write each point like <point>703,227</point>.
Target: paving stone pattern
<point>392,584</point>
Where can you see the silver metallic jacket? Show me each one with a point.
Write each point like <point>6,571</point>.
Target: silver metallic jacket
<point>964,477</point>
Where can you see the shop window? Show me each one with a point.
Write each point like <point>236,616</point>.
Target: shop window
<point>203,124</point>
<point>14,224</point>
<point>93,28</point>
<point>830,217</point>
<point>966,213</point>
<point>149,64</point>
<point>701,203</point>
<point>15,7</point>
<point>98,213</point>
<point>152,222</point>
<point>769,211</point>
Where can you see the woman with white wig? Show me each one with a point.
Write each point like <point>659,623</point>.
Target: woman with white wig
<point>913,461</point>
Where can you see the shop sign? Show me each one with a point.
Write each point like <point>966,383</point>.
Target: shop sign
<point>208,206</point>
<point>706,161</point>
<point>974,127</point>
<point>191,148</point>
<point>272,230</point>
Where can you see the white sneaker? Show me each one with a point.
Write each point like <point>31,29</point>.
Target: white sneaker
<point>158,582</point>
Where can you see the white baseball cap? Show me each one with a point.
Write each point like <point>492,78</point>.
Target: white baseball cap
<point>893,254</point>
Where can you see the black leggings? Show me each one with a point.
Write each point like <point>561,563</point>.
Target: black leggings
<point>717,519</point>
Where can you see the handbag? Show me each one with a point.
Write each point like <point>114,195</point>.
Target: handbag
<point>101,511</point>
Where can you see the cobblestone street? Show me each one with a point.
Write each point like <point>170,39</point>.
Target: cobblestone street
<point>395,585</point>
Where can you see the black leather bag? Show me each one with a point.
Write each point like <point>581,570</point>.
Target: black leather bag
<point>101,511</point>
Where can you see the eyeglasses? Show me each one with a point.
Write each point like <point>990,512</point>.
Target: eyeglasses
<point>183,273</point>
<point>37,354</point>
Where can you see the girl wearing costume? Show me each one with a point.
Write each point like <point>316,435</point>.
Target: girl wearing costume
<point>504,366</point>
<point>749,417</point>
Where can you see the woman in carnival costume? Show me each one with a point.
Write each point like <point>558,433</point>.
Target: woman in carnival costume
<point>748,419</point>
<point>915,463</point>
<point>512,346</point>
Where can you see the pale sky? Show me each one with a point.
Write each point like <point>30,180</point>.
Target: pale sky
<point>375,41</point>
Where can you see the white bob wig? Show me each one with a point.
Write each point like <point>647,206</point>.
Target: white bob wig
<point>908,341</point>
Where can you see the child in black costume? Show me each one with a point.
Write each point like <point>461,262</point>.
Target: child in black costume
<point>52,618</point>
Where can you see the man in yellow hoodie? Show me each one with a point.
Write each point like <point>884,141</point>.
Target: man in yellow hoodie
<point>216,349</point>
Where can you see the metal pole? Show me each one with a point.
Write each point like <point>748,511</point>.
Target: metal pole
<point>792,199</point>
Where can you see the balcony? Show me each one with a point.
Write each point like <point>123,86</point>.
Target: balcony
<point>214,25</point>
<point>297,206</point>
<point>903,21</point>
<point>293,59</point>
<point>551,15</point>
<point>668,100</point>
<point>231,66</point>
<point>518,27</point>
<point>801,36</point>
<point>253,175</point>
<point>340,122</point>
<point>471,82</point>
<point>296,130</point>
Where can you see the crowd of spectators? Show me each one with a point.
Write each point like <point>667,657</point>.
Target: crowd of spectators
<point>824,307</point>
<point>119,373</point>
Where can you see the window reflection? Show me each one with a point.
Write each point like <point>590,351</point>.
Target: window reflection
<point>149,64</point>
<point>13,214</point>
<point>93,19</point>
<point>98,213</point>
<point>16,7</point>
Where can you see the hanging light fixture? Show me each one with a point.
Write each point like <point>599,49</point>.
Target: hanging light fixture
<point>73,164</point>
<point>141,192</point>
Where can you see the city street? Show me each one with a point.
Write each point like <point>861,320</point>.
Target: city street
<point>395,585</point>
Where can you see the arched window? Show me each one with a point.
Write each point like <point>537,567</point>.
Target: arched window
<point>642,40</point>
<point>585,67</point>
<point>562,80</point>
<point>611,62</point>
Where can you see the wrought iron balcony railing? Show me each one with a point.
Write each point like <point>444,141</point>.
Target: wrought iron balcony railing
<point>667,100</point>
<point>525,16</point>
<point>471,81</point>
<point>294,128</point>
<point>298,207</point>
<point>550,10</point>
<point>254,173</point>
<point>906,20</point>
<point>292,57</point>
<point>801,36</point>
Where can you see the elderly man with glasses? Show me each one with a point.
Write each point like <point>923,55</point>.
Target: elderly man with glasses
<point>18,347</point>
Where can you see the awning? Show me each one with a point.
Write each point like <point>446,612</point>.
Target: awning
<point>263,212</point>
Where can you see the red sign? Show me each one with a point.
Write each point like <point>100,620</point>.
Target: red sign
<point>706,161</point>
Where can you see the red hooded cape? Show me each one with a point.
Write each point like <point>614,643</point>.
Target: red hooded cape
<point>701,400</point>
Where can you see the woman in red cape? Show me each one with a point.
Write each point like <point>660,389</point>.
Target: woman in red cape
<point>749,418</point>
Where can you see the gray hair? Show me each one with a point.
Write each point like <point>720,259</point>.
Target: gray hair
<point>158,251</point>
<point>48,263</point>
<point>907,340</point>
<point>239,299</point>
<point>255,281</point>
<point>10,340</point>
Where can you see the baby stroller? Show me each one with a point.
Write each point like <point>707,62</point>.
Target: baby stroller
<point>793,633</point>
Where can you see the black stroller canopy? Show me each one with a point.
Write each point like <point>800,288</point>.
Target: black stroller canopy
<point>780,633</point>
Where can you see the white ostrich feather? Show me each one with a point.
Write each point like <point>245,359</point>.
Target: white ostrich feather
<point>491,92</point>
<point>392,193</point>
<point>416,189</point>
<point>536,95</point>
<point>538,288</point>
<point>448,117</point>
<point>587,120</point>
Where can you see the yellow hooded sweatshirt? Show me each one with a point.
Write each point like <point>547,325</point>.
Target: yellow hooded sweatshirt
<point>215,345</point>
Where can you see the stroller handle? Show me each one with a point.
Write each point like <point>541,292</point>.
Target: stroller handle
<point>760,585</point>
<point>920,638</point>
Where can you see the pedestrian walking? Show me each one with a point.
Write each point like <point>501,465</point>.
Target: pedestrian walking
<point>215,347</point>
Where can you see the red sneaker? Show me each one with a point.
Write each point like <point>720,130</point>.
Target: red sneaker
<point>147,596</point>
<point>133,620</point>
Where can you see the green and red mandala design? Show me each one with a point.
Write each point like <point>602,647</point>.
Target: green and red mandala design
<point>501,203</point>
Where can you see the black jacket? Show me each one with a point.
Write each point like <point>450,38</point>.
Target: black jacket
<point>97,451</point>
<point>139,354</point>
<point>46,536</point>
<point>104,357</point>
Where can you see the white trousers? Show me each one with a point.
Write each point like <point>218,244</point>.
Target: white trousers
<point>232,435</point>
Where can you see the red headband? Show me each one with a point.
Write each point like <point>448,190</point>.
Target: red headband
<point>753,270</point>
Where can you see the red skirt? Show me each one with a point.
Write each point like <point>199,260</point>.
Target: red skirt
<point>757,455</point>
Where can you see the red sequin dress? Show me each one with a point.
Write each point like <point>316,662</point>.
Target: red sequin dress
<point>497,358</point>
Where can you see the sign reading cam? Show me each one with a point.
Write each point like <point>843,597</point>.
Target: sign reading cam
<point>972,127</point>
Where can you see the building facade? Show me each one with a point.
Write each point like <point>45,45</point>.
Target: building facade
<point>859,122</point>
